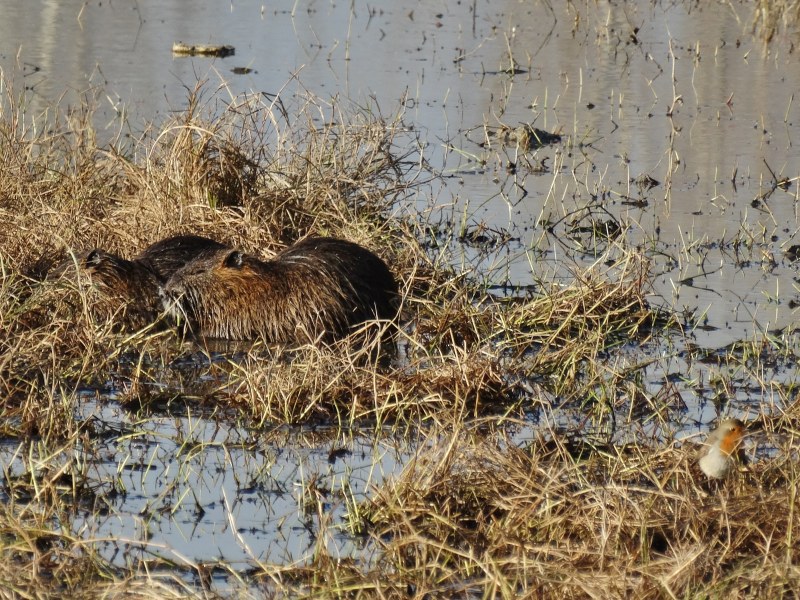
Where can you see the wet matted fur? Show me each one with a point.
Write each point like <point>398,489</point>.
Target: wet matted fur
<point>129,292</point>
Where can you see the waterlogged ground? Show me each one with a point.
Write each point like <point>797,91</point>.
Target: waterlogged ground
<point>680,136</point>
<point>191,487</point>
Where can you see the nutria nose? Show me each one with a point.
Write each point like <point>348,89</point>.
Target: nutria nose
<point>166,297</point>
<point>172,289</point>
<point>170,299</point>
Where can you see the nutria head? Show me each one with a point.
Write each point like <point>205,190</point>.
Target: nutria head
<point>228,294</point>
<point>317,289</point>
<point>116,274</point>
<point>130,291</point>
<point>122,289</point>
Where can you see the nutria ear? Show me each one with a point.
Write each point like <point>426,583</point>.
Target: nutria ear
<point>233,260</point>
<point>94,258</point>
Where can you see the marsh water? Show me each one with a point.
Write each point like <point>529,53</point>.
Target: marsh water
<point>682,93</point>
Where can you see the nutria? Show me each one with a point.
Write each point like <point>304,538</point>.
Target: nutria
<point>129,291</point>
<point>315,290</point>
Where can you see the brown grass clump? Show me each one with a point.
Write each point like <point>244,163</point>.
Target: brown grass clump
<point>476,516</point>
<point>252,172</point>
<point>459,357</point>
<point>257,174</point>
<point>770,17</point>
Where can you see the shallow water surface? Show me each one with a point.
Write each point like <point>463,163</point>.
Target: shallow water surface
<point>194,489</point>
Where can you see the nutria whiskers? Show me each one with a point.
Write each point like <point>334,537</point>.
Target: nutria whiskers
<point>317,289</point>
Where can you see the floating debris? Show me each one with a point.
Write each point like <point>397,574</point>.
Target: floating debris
<point>645,182</point>
<point>513,70</point>
<point>526,136</point>
<point>636,202</point>
<point>608,229</point>
<point>182,49</point>
<point>241,70</point>
<point>486,237</point>
<point>793,252</point>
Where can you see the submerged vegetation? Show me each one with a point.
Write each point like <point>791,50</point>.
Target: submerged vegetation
<point>539,459</point>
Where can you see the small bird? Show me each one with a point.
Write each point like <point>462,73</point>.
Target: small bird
<point>724,448</point>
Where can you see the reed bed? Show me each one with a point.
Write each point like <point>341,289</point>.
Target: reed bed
<point>250,175</point>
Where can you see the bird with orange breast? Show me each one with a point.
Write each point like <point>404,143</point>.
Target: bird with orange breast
<point>724,449</point>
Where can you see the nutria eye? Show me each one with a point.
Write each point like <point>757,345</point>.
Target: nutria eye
<point>233,260</point>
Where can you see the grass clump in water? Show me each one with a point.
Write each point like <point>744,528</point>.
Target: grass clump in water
<point>257,175</point>
<point>475,515</point>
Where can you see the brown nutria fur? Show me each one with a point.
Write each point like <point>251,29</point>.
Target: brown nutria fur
<point>168,255</point>
<point>317,289</point>
<point>129,291</point>
<point>123,290</point>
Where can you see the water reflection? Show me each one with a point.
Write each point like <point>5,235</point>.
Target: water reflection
<point>196,490</point>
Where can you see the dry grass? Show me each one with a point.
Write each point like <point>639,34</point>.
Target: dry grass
<point>773,17</point>
<point>251,175</point>
<point>246,172</point>
<point>461,357</point>
<point>476,516</point>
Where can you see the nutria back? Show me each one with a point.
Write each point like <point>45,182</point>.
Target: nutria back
<point>317,289</point>
<point>170,254</point>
